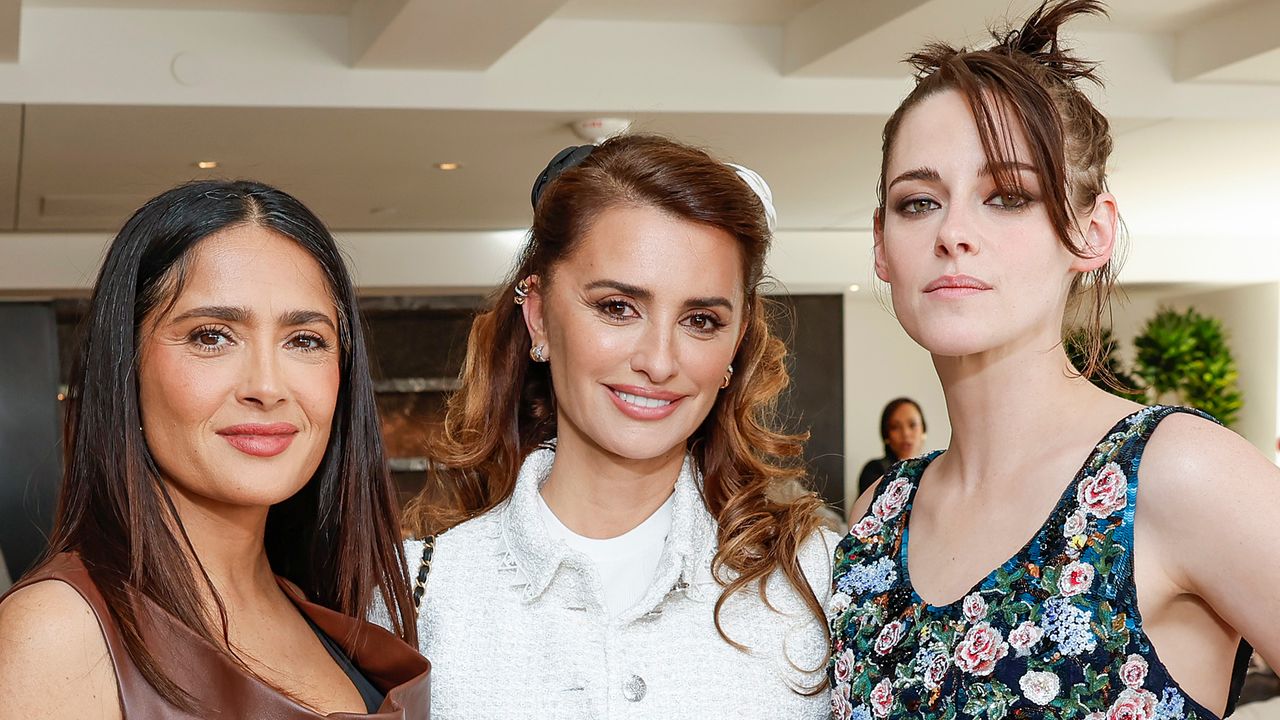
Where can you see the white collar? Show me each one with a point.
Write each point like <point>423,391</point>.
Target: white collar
<point>685,564</point>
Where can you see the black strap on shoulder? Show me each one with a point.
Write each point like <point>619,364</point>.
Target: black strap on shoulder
<point>424,569</point>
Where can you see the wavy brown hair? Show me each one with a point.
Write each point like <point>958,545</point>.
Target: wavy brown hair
<point>506,405</point>
<point>1027,79</point>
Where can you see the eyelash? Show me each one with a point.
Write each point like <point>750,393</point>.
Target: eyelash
<point>714,324</point>
<point>319,343</point>
<point>1021,200</point>
<point>904,207</point>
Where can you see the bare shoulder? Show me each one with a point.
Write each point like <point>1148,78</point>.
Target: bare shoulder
<point>53,658</point>
<point>1190,461</point>
<point>1207,498</point>
<point>1197,474</point>
<point>863,503</point>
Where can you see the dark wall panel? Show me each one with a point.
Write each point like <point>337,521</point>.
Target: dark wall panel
<point>814,333</point>
<point>30,465</point>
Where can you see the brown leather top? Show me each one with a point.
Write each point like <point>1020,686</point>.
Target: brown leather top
<point>222,686</point>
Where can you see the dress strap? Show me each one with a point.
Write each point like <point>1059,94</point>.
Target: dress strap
<point>1120,586</point>
<point>1127,455</point>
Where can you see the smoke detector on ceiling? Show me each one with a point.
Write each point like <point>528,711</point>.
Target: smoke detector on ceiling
<point>597,130</point>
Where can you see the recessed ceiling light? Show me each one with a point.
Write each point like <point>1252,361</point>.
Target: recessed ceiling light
<point>854,288</point>
<point>207,164</point>
<point>448,166</point>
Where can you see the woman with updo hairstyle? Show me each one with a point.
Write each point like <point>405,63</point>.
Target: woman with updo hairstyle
<point>226,514</point>
<point>599,537</point>
<point>1071,554</point>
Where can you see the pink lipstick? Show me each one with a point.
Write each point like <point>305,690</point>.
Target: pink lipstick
<point>955,286</point>
<point>260,439</point>
<point>641,403</point>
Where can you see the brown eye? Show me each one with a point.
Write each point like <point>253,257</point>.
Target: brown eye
<point>616,309</point>
<point>1009,201</point>
<point>307,342</point>
<point>209,339</point>
<point>703,323</point>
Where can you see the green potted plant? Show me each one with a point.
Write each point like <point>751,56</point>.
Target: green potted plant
<point>1183,357</point>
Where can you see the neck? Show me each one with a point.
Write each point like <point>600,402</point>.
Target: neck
<point>229,542</point>
<point>601,495</point>
<point>1007,401</point>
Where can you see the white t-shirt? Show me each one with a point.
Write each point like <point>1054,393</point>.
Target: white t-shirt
<point>627,563</point>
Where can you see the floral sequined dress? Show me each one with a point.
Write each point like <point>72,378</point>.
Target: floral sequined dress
<point>1053,632</point>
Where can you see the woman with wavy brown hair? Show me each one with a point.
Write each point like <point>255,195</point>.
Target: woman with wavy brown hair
<point>600,535</point>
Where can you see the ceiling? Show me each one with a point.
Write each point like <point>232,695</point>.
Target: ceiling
<point>349,104</point>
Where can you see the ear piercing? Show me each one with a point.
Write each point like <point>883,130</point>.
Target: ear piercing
<point>728,376</point>
<point>522,291</point>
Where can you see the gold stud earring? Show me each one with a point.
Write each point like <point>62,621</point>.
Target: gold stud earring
<point>537,353</point>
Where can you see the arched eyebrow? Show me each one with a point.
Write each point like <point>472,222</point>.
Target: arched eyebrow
<point>644,295</point>
<point>233,314</point>
<point>926,174</point>
<point>991,169</point>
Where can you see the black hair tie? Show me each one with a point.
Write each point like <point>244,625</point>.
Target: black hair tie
<point>569,157</point>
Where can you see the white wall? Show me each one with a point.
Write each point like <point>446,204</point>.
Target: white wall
<point>881,363</point>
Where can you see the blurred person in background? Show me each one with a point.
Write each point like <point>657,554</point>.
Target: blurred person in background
<point>902,430</point>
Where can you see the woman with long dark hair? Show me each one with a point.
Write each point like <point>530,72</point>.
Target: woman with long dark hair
<point>1035,567</point>
<point>226,511</point>
<point>606,538</point>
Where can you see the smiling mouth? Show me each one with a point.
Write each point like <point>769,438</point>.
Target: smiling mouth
<point>638,401</point>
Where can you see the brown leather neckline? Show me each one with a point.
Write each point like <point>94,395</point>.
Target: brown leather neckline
<point>217,681</point>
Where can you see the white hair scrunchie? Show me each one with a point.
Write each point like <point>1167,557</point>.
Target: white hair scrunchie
<point>762,191</point>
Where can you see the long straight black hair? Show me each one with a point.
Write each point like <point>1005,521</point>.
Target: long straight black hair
<point>337,538</point>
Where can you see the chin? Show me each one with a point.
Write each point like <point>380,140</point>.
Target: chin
<point>952,337</point>
<point>642,445</point>
<point>263,488</point>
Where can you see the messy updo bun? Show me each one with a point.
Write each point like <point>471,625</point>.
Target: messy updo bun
<point>1027,79</point>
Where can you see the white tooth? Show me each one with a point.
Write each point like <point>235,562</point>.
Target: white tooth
<point>639,401</point>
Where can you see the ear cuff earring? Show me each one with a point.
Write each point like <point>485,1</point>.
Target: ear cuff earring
<point>522,292</point>
<point>728,377</point>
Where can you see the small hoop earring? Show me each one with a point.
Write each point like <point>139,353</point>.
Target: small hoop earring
<point>522,292</point>
<point>537,353</point>
<point>728,376</point>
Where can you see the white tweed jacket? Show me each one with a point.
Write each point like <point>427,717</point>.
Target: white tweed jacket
<point>515,626</point>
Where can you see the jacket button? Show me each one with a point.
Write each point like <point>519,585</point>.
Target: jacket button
<point>633,688</point>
